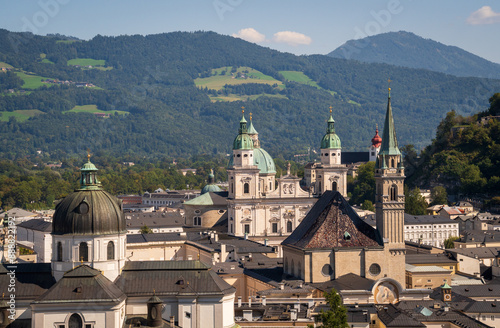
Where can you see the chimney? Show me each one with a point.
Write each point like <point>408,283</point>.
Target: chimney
<point>216,237</point>
<point>264,301</point>
<point>265,241</point>
<point>300,284</point>
<point>249,301</point>
<point>247,315</point>
<point>282,285</point>
<point>239,301</point>
<point>223,253</point>
<point>293,314</point>
<point>172,321</point>
<point>246,236</point>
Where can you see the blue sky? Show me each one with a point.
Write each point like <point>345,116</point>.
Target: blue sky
<point>299,27</point>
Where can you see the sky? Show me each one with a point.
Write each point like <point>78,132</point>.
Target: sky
<point>298,27</point>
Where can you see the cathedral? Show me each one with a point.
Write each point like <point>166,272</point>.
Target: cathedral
<point>332,241</point>
<point>265,208</point>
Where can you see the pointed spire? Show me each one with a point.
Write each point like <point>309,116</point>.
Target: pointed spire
<point>251,129</point>
<point>389,140</point>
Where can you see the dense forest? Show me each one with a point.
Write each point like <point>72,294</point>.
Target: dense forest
<point>152,79</point>
<point>464,157</point>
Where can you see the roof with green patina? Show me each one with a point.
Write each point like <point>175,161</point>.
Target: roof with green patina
<point>330,140</point>
<point>389,140</point>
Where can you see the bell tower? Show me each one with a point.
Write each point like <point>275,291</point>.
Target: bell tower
<point>389,180</point>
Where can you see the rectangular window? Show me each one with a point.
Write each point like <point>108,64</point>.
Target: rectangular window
<point>247,228</point>
<point>275,227</point>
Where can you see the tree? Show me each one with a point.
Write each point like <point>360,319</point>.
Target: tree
<point>439,195</point>
<point>449,243</point>
<point>414,202</point>
<point>368,206</point>
<point>495,104</point>
<point>336,317</point>
<point>364,188</point>
<point>145,229</point>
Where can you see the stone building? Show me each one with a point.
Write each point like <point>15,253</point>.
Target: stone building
<point>261,206</point>
<point>333,241</point>
<point>92,283</point>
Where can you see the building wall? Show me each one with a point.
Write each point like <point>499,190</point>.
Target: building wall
<point>426,279</point>
<point>433,234</point>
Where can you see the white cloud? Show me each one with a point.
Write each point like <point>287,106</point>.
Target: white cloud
<point>250,35</point>
<point>484,15</point>
<point>291,38</point>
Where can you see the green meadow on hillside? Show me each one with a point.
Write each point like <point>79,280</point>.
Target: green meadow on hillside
<point>93,109</point>
<point>217,81</point>
<point>20,115</point>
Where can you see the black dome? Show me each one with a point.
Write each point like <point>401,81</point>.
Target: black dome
<point>89,212</point>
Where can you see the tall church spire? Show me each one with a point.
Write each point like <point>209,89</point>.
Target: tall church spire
<point>389,140</point>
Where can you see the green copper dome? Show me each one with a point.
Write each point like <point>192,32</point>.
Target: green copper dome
<point>330,140</point>
<point>243,140</point>
<point>211,186</point>
<point>264,161</point>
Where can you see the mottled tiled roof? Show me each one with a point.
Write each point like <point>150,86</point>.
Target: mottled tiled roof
<point>332,223</point>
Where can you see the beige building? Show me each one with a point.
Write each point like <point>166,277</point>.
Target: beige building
<point>261,206</point>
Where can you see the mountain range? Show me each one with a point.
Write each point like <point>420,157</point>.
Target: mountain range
<point>180,94</point>
<point>409,50</point>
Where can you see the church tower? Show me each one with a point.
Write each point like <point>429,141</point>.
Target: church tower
<point>389,180</point>
<point>331,174</point>
<point>375,147</point>
<point>89,227</point>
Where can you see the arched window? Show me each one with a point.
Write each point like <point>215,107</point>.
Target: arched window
<point>270,186</point>
<point>84,252</point>
<point>334,186</point>
<point>59,252</point>
<point>393,191</point>
<point>111,250</point>
<point>289,226</point>
<point>246,188</point>
<point>319,188</point>
<point>75,321</point>
<point>392,163</point>
<point>231,190</point>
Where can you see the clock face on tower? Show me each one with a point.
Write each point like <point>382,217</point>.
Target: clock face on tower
<point>447,297</point>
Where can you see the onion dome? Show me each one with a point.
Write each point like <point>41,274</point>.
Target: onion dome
<point>376,140</point>
<point>330,140</point>
<point>243,140</point>
<point>89,210</point>
<point>211,186</point>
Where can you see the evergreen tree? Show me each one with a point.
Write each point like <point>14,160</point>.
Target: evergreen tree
<point>336,317</point>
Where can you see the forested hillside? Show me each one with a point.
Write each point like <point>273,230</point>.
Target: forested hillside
<point>465,155</point>
<point>152,78</point>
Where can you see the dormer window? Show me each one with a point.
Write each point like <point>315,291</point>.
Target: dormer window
<point>347,236</point>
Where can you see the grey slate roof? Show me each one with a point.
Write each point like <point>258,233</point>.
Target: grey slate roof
<point>479,252</point>
<point>153,220</point>
<point>82,284</point>
<point>427,219</point>
<point>32,279</point>
<point>189,278</point>
<point>480,236</point>
<point>349,281</point>
<point>393,317</point>
<point>429,259</point>
<point>327,223</point>
<point>36,224</point>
